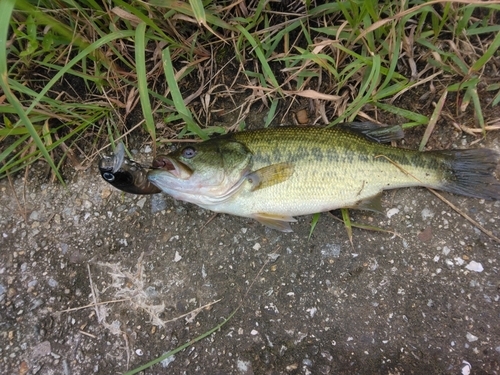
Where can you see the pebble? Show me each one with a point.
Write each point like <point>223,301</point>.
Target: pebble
<point>273,257</point>
<point>470,337</point>
<point>177,257</point>
<point>331,250</point>
<point>427,214</point>
<point>244,367</point>
<point>41,350</point>
<point>392,212</point>
<point>34,216</point>
<point>475,266</point>
<point>307,362</point>
<point>167,360</point>
<point>141,202</point>
<point>466,368</point>
<point>158,203</point>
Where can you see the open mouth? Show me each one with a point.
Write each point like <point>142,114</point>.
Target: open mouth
<point>174,167</point>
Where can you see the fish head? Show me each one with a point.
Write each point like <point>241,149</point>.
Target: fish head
<point>202,173</point>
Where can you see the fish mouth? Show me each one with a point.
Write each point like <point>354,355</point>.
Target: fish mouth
<point>173,167</point>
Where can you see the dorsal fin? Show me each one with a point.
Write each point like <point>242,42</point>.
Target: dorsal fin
<point>374,132</point>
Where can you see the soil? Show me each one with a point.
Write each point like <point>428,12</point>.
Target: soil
<point>93,281</point>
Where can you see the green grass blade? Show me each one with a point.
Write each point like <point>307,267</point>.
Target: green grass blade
<point>177,96</point>
<point>492,49</point>
<point>272,112</point>
<point>477,108</point>
<point>185,8</point>
<point>268,72</point>
<point>314,221</point>
<point>6,8</point>
<point>88,50</point>
<point>148,21</point>
<point>347,223</point>
<point>198,11</point>
<point>365,93</point>
<point>433,121</point>
<point>415,117</point>
<point>182,347</point>
<point>142,79</point>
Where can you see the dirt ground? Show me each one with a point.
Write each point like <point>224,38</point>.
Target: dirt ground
<point>93,281</point>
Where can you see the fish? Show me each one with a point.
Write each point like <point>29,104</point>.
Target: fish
<point>275,174</point>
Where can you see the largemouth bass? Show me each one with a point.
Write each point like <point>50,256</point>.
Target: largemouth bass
<point>274,174</point>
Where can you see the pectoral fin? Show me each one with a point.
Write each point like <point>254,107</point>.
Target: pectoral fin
<point>373,203</point>
<point>277,222</point>
<point>270,175</point>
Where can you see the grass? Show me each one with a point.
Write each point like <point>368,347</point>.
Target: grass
<point>77,76</point>
<point>343,60</point>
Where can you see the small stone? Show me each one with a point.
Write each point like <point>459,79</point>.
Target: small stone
<point>41,350</point>
<point>425,235</point>
<point>470,337</point>
<point>392,212</point>
<point>105,193</point>
<point>177,257</point>
<point>158,203</point>
<point>273,257</point>
<point>244,367</point>
<point>475,266</point>
<point>466,368</point>
<point>331,250</point>
<point>34,216</point>
<point>141,202</point>
<point>427,214</point>
<point>167,361</point>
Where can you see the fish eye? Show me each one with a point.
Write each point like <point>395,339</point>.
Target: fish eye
<point>108,176</point>
<point>189,152</point>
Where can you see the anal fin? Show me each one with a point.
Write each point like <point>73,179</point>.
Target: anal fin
<point>278,222</point>
<point>373,203</point>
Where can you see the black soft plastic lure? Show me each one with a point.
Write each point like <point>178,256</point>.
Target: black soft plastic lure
<point>125,174</point>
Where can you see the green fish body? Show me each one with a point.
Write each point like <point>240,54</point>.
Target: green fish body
<point>274,174</point>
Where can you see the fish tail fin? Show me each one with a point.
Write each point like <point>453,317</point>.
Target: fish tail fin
<point>471,173</point>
